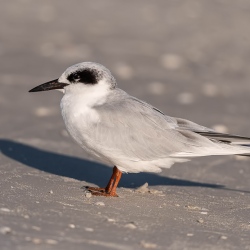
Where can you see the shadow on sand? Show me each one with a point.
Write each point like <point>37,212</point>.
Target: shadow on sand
<point>85,170</point>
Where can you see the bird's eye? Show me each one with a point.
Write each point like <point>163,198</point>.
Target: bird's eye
<point>85,76</point>
<point>76,77</point>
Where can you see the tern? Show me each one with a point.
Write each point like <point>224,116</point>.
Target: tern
<point>128,133</point>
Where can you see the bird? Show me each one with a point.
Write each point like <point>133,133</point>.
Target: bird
<point>128,133</point>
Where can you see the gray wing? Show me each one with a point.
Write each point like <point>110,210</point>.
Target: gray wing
<point>210,133</point>
<point>131,128</point>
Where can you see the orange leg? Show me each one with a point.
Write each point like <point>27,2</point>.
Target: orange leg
<point>110,190</point>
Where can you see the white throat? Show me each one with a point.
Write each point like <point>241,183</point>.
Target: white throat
<point>87,95</point>
<point>78,102</point>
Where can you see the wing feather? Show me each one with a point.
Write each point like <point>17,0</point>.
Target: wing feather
<point>133,129</point>
<point>210,133</point>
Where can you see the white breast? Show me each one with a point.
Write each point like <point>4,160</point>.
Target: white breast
<point>77,106</point>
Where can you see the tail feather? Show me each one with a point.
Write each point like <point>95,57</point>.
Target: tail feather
<point>226,138</point>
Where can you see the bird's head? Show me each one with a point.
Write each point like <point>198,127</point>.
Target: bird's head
<point>81,75</point>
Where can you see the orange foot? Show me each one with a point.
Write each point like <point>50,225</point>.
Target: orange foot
<point>101,192</point>
<point>110,190</point>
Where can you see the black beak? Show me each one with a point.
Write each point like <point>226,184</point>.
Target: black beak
<point>54,84</point>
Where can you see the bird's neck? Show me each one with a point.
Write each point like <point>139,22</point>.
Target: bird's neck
<point>87,96</point>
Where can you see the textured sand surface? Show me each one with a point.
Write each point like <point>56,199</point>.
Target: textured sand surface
<point>190,59</point>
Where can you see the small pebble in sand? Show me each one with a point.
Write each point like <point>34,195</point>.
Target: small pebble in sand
<point>51,192</point>
<point>220,128</point>
<point>26,216</point>
<point>193,207</point>
<point>4,209</point>
<point>37,202</point>
<point>172,61</point>
<point>100,203</point>
<point>185,98</point>
<point>143,188</point>
<point>223,237</point>
<point>36,228</point>
<point>200,220</point>
<point>190,235</point>
<point>203,212</point>
<point>88,194</point>
<point>89,229</point>
<point>51,242</point>
<point>148,245</point>
<point>37,241</point>
<point>43,111</point>
<point>110,220</point>
<point>5,230</point>
<point>72,226</point>
<point>123,70</point>
<point>131,225</point>
<point>156,88</point>
<point>210,90</point>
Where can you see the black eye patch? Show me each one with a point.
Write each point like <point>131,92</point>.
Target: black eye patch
<point>86,76</point>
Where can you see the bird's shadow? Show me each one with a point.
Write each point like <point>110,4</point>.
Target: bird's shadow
<point>84,170</point>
